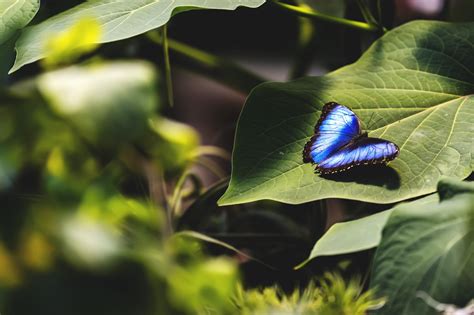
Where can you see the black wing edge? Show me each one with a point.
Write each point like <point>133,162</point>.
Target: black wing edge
<point>327,108</point>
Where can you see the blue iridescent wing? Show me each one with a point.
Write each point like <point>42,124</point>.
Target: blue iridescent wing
<point>336,127</point>
<point>362,151</point>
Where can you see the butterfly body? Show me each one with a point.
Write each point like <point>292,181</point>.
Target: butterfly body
<point>339,144</point>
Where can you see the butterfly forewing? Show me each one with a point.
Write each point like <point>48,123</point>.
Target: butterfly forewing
<point>336,127</point>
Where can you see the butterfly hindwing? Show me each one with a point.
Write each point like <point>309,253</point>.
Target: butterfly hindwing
<point>336,127</point>
<point>362,150</point>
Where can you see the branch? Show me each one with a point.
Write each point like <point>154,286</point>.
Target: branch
<point>309,13</point>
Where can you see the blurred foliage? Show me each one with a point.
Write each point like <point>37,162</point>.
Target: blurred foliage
<point>178,140</point>
<point>103,102</point>
<point>104,208</point>
<point>329,296</point>
<point>81,38</point>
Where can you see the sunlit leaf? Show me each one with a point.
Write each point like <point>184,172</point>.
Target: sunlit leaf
<point>80,38</point>
<point>14,15</point>
<point>414,85</point>
<point>118,19</point>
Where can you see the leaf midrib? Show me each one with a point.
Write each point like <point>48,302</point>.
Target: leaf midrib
<point>11,6</point>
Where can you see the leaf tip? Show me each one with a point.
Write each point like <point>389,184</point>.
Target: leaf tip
<point>301,265</point>
<point>224,200</point>
<point>14,68</point>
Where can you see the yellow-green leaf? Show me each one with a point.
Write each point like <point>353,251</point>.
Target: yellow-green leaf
<point>119,19</point>
<point>80,38</point>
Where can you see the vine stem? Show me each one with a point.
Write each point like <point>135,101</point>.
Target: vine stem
<point>167,66</point>
<point>309,13</point>
<point>175,199</point>
<point>306,49</point>
<point>212,150</point>
<point>215,67</point>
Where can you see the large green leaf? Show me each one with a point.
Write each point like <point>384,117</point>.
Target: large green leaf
<point>427,249</point>
<point>414,85</point>
<point>119,19</point>
<point>14,15</point>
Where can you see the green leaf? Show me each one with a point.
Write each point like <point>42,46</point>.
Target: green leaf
<point>109,104</point>
<point>118,19</point>
<point>357,235</point>
<point>14,15</point>
<point>448,187</point>
<point>414,85</point>
<point>350,237</point>
<point>427,249</point>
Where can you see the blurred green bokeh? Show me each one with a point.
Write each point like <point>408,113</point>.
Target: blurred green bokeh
<point>92,177</point>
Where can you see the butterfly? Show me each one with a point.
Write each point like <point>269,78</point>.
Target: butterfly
<point>339,144</point>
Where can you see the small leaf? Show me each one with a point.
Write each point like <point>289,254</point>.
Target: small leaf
<point>350,237</point>
<point>14,15</point>
<point>415,85</point>
<point>118,19</point>
<point>357,235</point>
<point>427,249</point>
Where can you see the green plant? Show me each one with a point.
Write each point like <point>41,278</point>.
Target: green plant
<point>107,205</point>
<point>330,295</point>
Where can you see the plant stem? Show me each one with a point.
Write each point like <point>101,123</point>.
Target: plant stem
<point>379,17</point>
<point>177,192</point>
<point>306,49</point>
<point>368,17</point>
<point>203,207</point>
<point>212,150</point>
<point>167,66</point>
<point>215,67</point>
<point>212,166</point>
<point>309,13</point>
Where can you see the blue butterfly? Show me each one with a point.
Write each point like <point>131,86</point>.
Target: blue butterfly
<point>339,144</point>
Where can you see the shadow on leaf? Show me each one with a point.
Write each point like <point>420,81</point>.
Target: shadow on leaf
<point>375,175</point>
